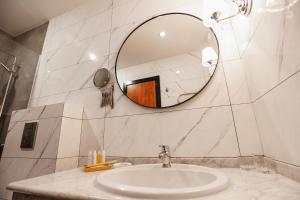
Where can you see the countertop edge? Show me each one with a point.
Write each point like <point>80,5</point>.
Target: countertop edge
<point>39,192</point>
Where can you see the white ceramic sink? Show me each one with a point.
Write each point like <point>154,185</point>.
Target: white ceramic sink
<point>152,181</point>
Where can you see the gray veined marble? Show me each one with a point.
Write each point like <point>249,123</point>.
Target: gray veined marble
<point>244,185</point>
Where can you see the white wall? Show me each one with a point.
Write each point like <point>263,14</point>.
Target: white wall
<point>219,122</point>
<point>271,61</point>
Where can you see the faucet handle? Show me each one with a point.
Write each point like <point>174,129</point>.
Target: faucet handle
<point>165,147</point>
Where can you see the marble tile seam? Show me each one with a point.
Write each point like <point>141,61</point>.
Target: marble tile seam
<point>236,42</point>
<point>43,158</point>
<point>283,162</point>
<point>155,112</point>
<point>232,113</point>
<point>106,56</point>
<point>252,36</point>
<point>277,85</point>
<point>80,21</point>
<point>56,117</point>
<point>148,113</point>
<point>76,41</point>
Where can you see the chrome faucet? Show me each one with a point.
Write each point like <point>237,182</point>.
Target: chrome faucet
<point>165,156</point>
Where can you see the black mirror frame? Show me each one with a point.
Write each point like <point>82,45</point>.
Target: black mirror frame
<point>172,13</point>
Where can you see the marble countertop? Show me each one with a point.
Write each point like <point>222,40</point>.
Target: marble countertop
<point>244,185</point>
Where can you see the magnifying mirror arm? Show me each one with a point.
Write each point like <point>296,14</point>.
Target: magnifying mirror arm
<point>229,17</point>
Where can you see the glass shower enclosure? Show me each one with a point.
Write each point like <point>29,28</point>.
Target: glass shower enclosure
<point>8,74</point>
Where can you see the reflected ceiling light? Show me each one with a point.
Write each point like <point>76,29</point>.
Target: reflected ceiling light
<point>177,72</point>
<point>243,7</point>
<point>162,34</point>
<point>209,57</point>
<point>92,56</point>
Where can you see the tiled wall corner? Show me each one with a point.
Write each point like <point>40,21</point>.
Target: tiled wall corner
<point>56,146</point>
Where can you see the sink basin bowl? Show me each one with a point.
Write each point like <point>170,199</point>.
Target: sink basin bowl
<point>181,181</point>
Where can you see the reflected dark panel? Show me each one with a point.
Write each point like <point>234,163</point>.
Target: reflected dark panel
<point>144,91</point>
<point>29,134</point>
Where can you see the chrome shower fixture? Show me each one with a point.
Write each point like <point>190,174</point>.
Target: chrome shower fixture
<point>244,7</point>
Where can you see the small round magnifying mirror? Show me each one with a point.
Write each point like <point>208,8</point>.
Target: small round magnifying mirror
<point>101,77</point>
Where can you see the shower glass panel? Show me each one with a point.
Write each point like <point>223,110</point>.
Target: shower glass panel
<point>7,79</point>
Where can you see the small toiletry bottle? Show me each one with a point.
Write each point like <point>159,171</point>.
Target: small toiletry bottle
<point>95,157</point>
<point>90,158</point>
<point>99,157</point>
<point>103,156</point>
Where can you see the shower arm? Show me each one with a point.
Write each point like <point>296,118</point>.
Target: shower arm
<point>229,17</point>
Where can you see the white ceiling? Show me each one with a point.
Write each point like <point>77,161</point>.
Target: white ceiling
<point>19,16</point>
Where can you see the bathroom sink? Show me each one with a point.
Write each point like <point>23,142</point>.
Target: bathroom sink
<point>181,181</point>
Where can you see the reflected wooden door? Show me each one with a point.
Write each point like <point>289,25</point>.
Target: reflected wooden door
<point>145,92</point>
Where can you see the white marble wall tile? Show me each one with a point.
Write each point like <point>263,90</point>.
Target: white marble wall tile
<point>11,171</point>
<point>99,47</point>
<point>132,11</point>
<point>89,99</point>
<point>140,135</point>
<point>96,24</point>
<point>291,59</point>
<point>119,34</point>
<point>262,58</point>
<point>63,164</point>
<point>49,33</point>
<point>236,82</point>
<point>72,111</point>
<point>278,117</point>
<point>247,130</point>
<point>69,140</point>
<point>46,141</point>
<point>86,10</point>
<point>92,136</point>
<point>53,99</point>
<point>227,42</point>
<point>69,79</point>
<point>65,36</point>
<point>83,29</point>
<point>245,26</point>
<point>41,112</point>
<point>78,52</point>
<point>117,3</point>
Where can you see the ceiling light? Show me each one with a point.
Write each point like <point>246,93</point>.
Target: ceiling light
<point>162,34</point>
<point>92,56</point>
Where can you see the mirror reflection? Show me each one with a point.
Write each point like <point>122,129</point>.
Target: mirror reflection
<point>167,60</point>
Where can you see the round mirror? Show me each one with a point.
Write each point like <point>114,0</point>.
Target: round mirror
<point>101,77</point>
<point>167,60</point>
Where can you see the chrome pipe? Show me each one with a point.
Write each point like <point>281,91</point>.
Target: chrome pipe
<point>12,71</point>
<point>6,68</point>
